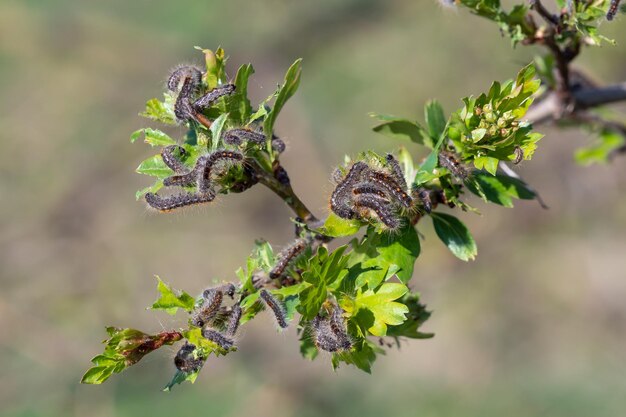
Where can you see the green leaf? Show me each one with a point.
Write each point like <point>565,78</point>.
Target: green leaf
<point>402,129</point>
<point>180,377</point>
<point>416,316</point>
<point>601,150</point>
<point>435,119</point>
<point>499,189</point>
<point>406,163</point>
<point>381,304</point>
<point>150,189</point>
<point>216,130</point>
<point>153,137</point>
<point>455,235</point>
<point>362,356</point>
<point>215,66</point>
<point>261,258</point>
<point>169,301</point>
<point>322,271</point>
<point>335,226</point>
<point>239,105</point>
<point>159,111</point>
<point>289,87</point>
<point>430,163</point>
<point>487,163</point>
<point>154,167</point>
<point>380,256</point>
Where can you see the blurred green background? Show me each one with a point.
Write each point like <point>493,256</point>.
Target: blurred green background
<point>535,327</point>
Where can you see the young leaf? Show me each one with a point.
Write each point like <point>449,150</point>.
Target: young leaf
<point>455,235</point>
<point>159,111</point>
<point>155,167</point>
<point>216,130</point>
<point>435,119</point>
<point>289,87</point>
<point>402,129</point>
<point>381,304</point>
<point>362,356</point>
<point>239,105</point>
<point>499,189</point>
<point>153,137</point>
<point>169,301</point>
<point>416,316</point>
<point>335,226</point>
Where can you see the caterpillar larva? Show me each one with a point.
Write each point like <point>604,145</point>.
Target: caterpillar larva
<point>165,204</point>
<point>182,107</point>
<point>389,183</point>
<point>185,361</point>
<point>423,196</point>
<point>340,200</point>
<point>613,8</point>
<point>276,306</point>
<point>323,336</point>
<point>449,161</point>
<point>381,207</point>
<point>396,170</point>
<point>206,164</point>
<point>216,337</point>
<point>181,72</point>
<point>233,320</point>
<point>370,188</point>
<point>212,96</point>
<point>287,256</point>
<point>338,327</point>
<point>167,154</point>
<point>212,300</point>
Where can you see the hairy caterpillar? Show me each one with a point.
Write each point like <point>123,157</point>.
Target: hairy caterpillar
<point>449,161</point>
<point>233,320</point>
<point>287,256</point>
<point>323,336</point>
<point>165,204</point>
<point>212,96</point>
<point>276,306</point>
<point>389,183</point>
<point>519,155</point>
<point>369,188</point>
<point>216,337</point>
<point>181,72</point>
<point>379,206</point>
<point>226,289</point>
<point>205,165</point>
<point>338,327</point>
<point>613,8</point>
<point>341,196</point>
<point>185,361</point>
<point>397,171</point>
<point>238,136</point>
<point>182,107</point>
<point>212,300</point>
<point>167,154</point>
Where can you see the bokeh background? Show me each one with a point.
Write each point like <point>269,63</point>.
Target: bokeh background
<point>536,326</point>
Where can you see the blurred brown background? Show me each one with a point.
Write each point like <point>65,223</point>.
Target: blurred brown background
<point>535,327</point>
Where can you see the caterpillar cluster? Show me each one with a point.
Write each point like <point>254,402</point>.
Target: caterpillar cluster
<point>613,8</point>
<point>202,176</point>
<point>370,193</point>
<point>209,316</point>
<point>329,332</point>
<point>186,80</point>
<point>186,360</point>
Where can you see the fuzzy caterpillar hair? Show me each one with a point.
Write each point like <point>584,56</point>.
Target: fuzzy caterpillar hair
<point>337,325</point>
<point>202,171</point>
<point>288,255</point>
<point>185,361</point>
<point>276,306</point>
<point>396,171</point>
